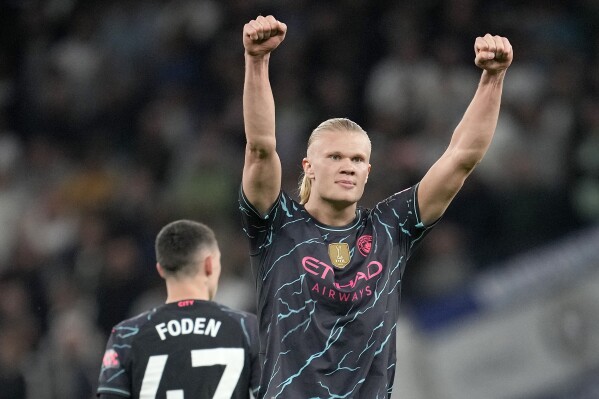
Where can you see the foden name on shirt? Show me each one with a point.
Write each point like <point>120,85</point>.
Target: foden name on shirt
<point>186,326</point>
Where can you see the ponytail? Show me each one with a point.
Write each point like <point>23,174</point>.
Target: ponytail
<point>305,187</point>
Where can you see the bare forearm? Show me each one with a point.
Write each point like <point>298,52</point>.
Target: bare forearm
<point>472,137</point>
<point>474,133</point>
<point>258,104</point>
<point>261,172</point>
<point>262,168</point>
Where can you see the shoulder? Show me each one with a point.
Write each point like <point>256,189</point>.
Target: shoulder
<point>234,313</point>
<point>283,200</point>
<point>286,203</point>
<point>246,320</point>
<point>407,196</point>
<point>284,207</point>
<point>138,321</point>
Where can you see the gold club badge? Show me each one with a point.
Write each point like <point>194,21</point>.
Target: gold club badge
<point>339,254</point>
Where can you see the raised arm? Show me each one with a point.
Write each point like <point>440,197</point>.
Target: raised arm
<point>474,133</point>
<point>262,168</point>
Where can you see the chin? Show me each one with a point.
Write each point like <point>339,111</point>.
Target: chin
<point>343,202</point>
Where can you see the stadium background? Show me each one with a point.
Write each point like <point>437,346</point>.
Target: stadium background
<point>119,116</point>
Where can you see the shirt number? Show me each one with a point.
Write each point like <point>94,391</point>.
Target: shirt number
<point>231,358</point>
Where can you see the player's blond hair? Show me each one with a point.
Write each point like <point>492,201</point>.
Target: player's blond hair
<point>333,124</point>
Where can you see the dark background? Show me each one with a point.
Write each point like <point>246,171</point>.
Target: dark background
<point>117,117</point>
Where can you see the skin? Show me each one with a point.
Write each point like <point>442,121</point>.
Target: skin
<point>262,169</point>
<point>337,164</point>
<point>330,203</point>
<point>472,137</point>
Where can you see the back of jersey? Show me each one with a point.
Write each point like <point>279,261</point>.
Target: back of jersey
<point>188,349</point>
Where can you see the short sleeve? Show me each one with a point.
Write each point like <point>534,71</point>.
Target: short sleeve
<point>256,227</point>
<point>114,377</point>
<point>399,214</point>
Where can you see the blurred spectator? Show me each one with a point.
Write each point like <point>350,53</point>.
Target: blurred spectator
<point>444,266</point>
<point>13,197</point>
<point>49,226</point>
<point>66,364</point>
<point>122,279</point>
<point>19,334</point>
<point>586,164</point>
<point>13,350</point>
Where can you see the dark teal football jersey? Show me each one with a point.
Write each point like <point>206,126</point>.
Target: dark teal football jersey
<point>328,297</point>
<point>187,349</point>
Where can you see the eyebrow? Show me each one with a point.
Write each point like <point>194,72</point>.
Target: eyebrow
<point>352,155</point>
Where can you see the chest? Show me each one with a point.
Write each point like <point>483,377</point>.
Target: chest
<point>336,268</point>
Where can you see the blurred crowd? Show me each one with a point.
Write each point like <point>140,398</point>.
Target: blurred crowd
<point>118,116</point>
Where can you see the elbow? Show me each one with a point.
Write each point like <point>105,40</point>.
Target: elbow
<point>260,149</point>
<point>467,160</point>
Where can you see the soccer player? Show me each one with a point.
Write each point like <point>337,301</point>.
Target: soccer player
<point>191,347</point>
<point>328,272</point>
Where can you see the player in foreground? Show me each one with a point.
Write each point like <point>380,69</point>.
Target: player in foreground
<point>328,272</point>
<point>191,347</point>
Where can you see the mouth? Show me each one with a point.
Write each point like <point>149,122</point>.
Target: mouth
<point>345,183</point>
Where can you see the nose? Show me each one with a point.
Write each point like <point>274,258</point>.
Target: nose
<point>348,168</point>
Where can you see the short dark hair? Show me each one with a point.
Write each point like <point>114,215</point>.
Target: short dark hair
<point>178,242</point>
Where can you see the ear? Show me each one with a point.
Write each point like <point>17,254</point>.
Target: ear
<point>160,270</point>
<point>369,166</point>
<point>208,265</point>
<point>307,167</point>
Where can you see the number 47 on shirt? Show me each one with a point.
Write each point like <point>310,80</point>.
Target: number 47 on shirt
<point>231,358</point>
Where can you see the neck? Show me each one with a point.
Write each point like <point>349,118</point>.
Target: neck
<point>180,289</point>
<point>330,215</point>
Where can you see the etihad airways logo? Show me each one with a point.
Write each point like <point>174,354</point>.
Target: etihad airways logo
<point>321,269</point>
<point>351,290</point>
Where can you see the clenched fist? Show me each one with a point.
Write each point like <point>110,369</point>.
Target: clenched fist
<point>262,35</point>
<point>493,53</point>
